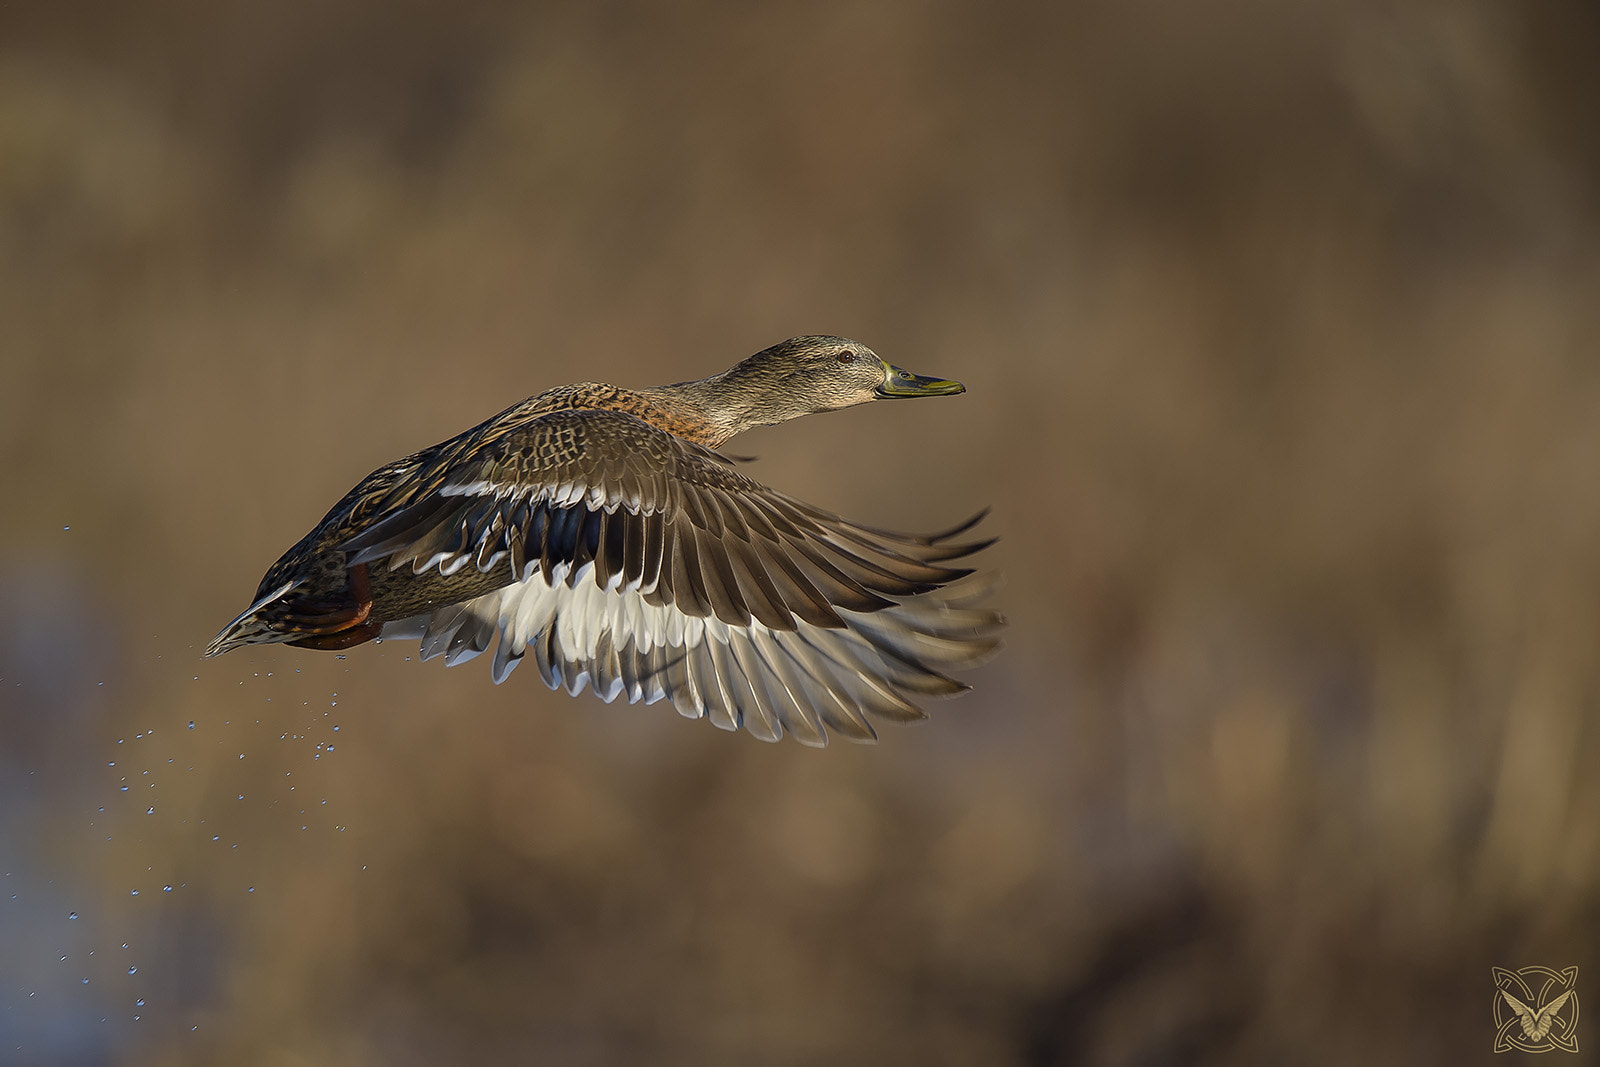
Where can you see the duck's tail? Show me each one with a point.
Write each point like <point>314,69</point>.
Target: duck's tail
<point>304,621</point>
<point>252,627</point>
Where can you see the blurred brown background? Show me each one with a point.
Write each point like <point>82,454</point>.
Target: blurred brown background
<point>1279,323</point>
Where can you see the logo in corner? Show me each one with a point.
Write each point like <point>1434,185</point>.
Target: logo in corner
<point>1536,1009</point>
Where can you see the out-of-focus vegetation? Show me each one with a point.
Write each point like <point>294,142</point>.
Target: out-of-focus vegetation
<point>1280,326</point>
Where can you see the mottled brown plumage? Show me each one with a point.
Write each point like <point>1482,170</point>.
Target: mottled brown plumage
<point>598,528</point>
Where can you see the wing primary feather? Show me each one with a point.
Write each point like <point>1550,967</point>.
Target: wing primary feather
<point>885,573</point>
<point>688,587</point>
<point>755,520</point>
<point>703,675</point>
<point>722,587</point>
<point>760,719</point>
<point>606,673</point>
<point>761,596</point>
<point>732,521</point>
<point>841,590</point>
<point>801,596</point>
<point>679,689</point>
<point>543,646</point>
<point>862,676</point>
<point>727,713</point>
<point>707,515</point>
<point>838,710</point>
<point>791,700</point>
<point>689,500</point>
<point>769,505</point>
<point>959,528</point>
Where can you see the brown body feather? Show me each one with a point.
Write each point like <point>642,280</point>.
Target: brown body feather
<point>319,557</point>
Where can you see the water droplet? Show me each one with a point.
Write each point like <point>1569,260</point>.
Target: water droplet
<point>151,810</point>
<point>215,836</point>
<point>191,724</point>
<point>241,755</point>
<point>252,889</point>
<point>166,889</point>
<point>86,981</point>
<point>64,529</point>
<point>139,1003</point>
<point>124,789</point>
<point>133,892</point>
<point>336,729</point>
<point>72,915</point>
<point>132,970</point>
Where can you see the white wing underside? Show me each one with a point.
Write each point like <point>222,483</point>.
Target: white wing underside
<point>804,681</point>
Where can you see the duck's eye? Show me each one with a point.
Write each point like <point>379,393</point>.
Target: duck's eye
<point>846,356</point>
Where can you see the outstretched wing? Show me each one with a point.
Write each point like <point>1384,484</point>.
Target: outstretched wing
<point>1524,1014</point>
<point>1547,1017</point>
<point>644,563</point>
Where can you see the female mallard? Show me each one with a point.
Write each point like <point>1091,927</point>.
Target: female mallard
<point>596,527</point>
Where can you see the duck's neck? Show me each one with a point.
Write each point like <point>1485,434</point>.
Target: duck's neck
<point>712,410</point>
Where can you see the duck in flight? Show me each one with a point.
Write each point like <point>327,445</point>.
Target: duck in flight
<point>599,530</point>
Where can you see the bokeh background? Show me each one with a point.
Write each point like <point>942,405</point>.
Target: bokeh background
<point>1280,324</point>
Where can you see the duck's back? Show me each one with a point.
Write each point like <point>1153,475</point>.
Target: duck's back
<point>319,563</point>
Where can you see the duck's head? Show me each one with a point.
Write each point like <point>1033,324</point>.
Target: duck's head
<point>805,375</point>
